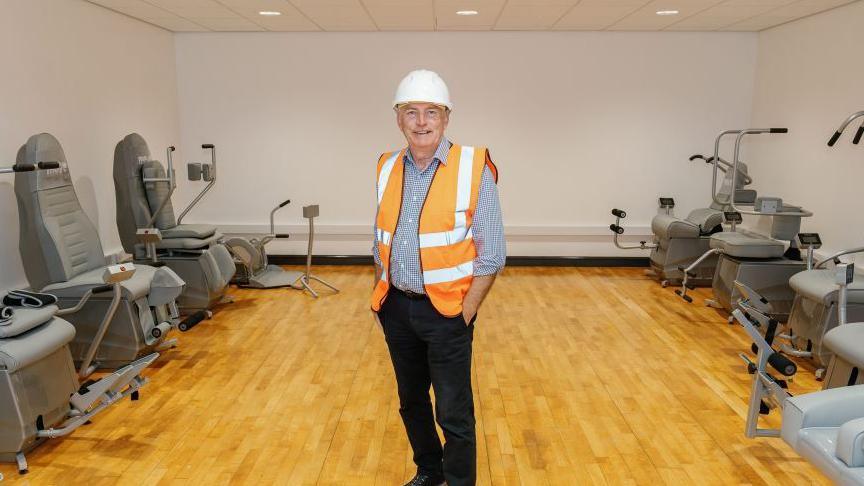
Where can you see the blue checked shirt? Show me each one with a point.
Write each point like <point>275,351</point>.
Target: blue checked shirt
<point>487,228</point>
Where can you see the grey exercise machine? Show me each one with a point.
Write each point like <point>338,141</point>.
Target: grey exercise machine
<point>677,242</point>
<point>250,258</point>
<point>149,231</point>
<point>40,396</point>
<point>824,427</point>
<point>62,255</point>
<point>763,263</point>
<point>817,299</point>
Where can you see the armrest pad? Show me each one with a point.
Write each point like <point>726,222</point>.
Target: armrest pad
<point>826,408</point>
<point>850,443</point>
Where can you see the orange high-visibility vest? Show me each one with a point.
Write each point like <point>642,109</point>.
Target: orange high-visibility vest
<point>447,249</point>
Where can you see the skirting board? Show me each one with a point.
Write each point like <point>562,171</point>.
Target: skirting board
<point>513,261</point>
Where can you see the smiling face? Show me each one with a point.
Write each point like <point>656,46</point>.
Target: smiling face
<point>423,125</point>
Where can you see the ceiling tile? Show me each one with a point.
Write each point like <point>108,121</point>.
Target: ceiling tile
<point>525,17</point>
<point>135,8</point>
<point>290,19</point>
<point>487,14</point>
<point>177,24</point>
<point>396,15</point>
<point>209,9</point>
<point>595,16</point>
<point>229,25</point>
<point>336,15</point>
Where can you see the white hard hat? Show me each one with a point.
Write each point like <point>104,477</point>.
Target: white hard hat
<point>423,86</point>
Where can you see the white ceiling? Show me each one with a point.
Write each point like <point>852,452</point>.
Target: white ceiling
<point>428,15</point>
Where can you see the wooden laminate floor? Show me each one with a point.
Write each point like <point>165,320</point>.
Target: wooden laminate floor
<point>581,375</point>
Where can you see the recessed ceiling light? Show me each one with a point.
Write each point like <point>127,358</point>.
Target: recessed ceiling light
<point>269,13</point>
<point>667,12</point>
<point>466,12</point>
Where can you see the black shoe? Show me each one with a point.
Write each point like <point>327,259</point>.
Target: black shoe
<point>424,480</point>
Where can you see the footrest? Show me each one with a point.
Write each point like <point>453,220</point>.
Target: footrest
<point>107,388</point>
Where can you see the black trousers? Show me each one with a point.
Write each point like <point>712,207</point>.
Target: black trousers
<point>429,349</point>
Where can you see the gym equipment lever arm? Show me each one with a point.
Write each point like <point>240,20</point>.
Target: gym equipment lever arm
<point>846,122</point>
<point>212,148</point>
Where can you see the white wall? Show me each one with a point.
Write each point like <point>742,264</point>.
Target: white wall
<point>809,78</point>
<point>578,123</point>
<point>89,76</point>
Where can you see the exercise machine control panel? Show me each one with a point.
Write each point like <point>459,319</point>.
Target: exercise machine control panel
<point>732,217</point>
<point>768,204</point>
<point>810,240</point>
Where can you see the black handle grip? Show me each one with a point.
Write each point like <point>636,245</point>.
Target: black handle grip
<point>49,165</point>
<point>778,130</point>
<point>696,156</point>
<point>102,289</point>
<point>834,139</point>
<point>283,236</point>
<point>858,135</point>
<point>285,203</point>
<point>171,148</point>
<point>619,213</point>
<point>23,168</point>
<point>782,364</point>
<point>616,229</point>
<point>207,146</point>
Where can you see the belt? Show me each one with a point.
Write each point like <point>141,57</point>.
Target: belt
<point>408,294</point>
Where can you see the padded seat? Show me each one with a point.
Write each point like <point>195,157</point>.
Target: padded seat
<point>737,244</point>
<point>189,231</point>
<point>818,285</point>
<point>698,223</point>
<point>819,446</point>
<point>136,287</point>
<point>847,342</point>
<point>32,345</point>
<point>188,243</point>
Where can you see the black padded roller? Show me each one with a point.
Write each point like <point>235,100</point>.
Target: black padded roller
<point>619,213</point>
<point>207,146</point>
<point>49,165</point>
<point>282,236</point>
<point>23,168</point>
<point>192,321</point>
<point>285,203</point>
<point>778,130</point>
<point>782,364</point>
<point>834,139</point>
<point>616,229</point>
<point>696,156</point>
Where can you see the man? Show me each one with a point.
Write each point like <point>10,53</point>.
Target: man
<point>439,242</point>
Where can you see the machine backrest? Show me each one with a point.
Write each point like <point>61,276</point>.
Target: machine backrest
<point>57,240</point>
<point>725,192</point>
<point>136,200</point>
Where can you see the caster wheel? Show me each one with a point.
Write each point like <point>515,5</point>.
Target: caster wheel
<point>209,314</point>
<point>134,396</point>
<point>664,284</point>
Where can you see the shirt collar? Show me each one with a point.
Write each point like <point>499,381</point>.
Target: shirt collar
<point>440,153</point>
